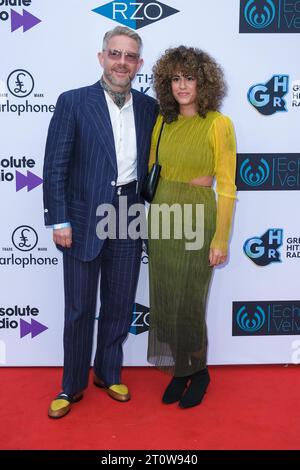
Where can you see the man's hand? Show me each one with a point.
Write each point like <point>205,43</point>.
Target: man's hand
<point>63,237</point>
<point>216,256</point>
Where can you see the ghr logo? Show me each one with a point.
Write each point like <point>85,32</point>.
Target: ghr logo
<point>264,250</point>
<point>268,98</point>
<point>135,15</point>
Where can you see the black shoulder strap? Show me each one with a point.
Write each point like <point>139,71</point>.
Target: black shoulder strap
<point>157,147</point>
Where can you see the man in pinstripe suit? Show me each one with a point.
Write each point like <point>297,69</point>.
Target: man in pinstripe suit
<point>97,150</point>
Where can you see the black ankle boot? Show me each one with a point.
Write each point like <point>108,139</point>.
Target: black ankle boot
<point>175,390</point>
<point>196,391</point>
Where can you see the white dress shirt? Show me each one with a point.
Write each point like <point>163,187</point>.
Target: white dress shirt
<point>123,125</point>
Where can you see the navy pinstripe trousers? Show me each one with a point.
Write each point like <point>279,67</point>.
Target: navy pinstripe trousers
<point>119,263</point>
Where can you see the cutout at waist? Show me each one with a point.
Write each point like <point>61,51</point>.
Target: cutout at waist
<point>202,181</point>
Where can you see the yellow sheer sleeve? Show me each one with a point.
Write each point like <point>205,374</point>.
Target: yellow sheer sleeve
<point>223,139</point>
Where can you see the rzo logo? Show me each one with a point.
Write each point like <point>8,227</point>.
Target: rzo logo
<point>140,320</point>
<point>135,15</point>
<point>268,98</point>
<point>264,250</point>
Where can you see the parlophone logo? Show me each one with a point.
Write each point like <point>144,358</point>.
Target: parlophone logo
<point>140,320</point>
<point>252,322</point>
<point>18,20</point>
<point>25,238</point>
<point>267,98</point>
<point>269,16</point>
<point>135,15</point>
<point>259,14</point>
<point>266,318</point>
<point>264,250</point>
<point>254,177</point>
<point>20,83</point>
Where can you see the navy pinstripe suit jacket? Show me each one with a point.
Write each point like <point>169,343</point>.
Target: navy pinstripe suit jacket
<point>80,161</point>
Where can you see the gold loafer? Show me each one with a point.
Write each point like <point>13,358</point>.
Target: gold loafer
<point>62,404</point>
<point>118,392</point>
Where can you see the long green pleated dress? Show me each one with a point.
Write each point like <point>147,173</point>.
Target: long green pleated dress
<point>179,269</point>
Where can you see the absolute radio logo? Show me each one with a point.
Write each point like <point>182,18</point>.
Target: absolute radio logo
<point>20,95</point>
<point>25,250</point>
<point>135,15</point>
<point>18,19</point>
<point>25,179</point>
<point>12,318</point>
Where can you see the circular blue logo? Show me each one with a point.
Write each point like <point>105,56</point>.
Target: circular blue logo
<point>253,177</point>
<point>253,323</point>
<point>262,17</point>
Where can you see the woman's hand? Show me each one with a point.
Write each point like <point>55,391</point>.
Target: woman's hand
<point>216,257</point>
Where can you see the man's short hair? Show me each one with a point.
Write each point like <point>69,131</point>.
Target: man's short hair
<point>121,31</point>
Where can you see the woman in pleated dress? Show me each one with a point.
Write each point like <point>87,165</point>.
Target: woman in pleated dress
<point>188,228</point>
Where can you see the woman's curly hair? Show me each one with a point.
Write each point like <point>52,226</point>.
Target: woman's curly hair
<point>189,61</point>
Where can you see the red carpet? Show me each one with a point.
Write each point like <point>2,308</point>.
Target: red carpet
<point>246,407</point>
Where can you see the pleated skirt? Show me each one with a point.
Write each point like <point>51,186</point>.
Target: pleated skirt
<point>179,275</point>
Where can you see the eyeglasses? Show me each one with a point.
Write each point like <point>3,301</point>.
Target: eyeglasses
<point>116,54</point>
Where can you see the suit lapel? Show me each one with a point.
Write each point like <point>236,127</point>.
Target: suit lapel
<point>98,114</point>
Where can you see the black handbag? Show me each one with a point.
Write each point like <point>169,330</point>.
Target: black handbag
<point>151,181</point>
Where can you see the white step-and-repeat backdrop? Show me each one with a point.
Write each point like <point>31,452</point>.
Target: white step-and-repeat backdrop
<point>49,46</point>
